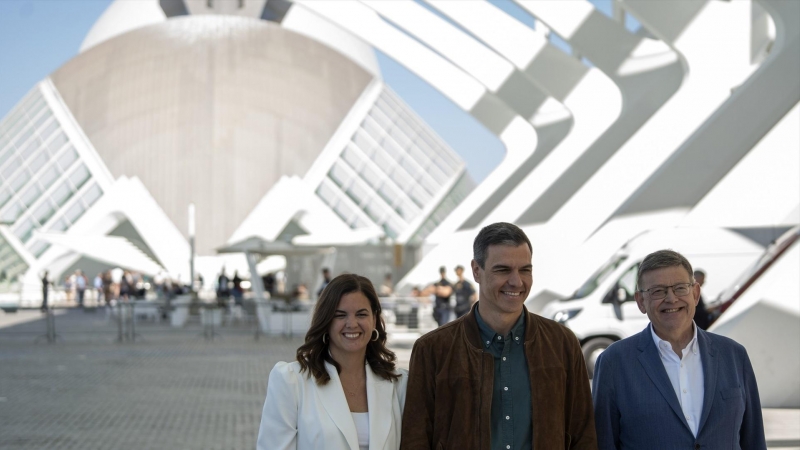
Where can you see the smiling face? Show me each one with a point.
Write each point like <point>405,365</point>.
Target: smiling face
<point>505,279</point>
<point>671,316</point>
<point>351,328</point>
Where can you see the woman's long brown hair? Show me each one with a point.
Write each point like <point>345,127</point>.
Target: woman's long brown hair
<point>313,355</point>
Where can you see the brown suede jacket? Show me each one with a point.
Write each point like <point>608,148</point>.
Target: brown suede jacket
<point>449,398</point>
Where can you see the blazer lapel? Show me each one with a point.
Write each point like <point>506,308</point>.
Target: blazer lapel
<point>332,397</point>
<point>710,364</point>
<point>381,408</point>
<point>651,361</point>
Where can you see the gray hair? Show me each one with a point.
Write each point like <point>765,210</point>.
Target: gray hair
<point>500,233</point>
<point>661,259</point>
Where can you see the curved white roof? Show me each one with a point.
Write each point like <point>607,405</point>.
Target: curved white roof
<point>121,17</point>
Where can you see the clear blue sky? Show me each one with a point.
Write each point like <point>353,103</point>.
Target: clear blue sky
<point>38,36</point>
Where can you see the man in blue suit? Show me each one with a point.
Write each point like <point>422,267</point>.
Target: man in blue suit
<point>675,386</point>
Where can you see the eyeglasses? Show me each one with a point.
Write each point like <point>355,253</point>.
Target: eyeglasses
<point>659,292</point>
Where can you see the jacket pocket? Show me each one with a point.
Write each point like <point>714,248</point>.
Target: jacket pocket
<point>731,393</point>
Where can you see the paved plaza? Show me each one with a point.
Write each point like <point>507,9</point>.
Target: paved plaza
<point>170,389</point>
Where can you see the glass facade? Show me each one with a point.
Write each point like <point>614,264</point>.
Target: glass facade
<point>390,171</point>
<point>43,182</point>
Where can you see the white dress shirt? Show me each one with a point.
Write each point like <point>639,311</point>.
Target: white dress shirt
<point>686,375</point>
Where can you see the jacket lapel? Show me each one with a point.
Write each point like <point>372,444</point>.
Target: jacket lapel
<point>332,397</point>
<point>709,361</point>
<point>380,402</point>
<point>651,362</point>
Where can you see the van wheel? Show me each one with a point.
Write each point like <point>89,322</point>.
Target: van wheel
<point>592,349</point>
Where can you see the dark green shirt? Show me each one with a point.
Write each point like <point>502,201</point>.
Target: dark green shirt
<point>511,395</point>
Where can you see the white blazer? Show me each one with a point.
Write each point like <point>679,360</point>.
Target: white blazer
<point>301,415</point>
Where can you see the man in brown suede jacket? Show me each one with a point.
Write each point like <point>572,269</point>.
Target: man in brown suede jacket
<point>499,377</point>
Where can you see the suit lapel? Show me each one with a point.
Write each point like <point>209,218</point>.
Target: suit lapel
<point>332,397</point>
<point>380,403</point>
<point>651,362</point>
<point>709,362</point>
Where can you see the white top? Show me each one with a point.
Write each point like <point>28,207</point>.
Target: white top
<point>361,420</point>
<point>686,376</point>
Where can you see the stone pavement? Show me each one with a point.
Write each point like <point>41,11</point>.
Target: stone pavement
<point>168,390</point>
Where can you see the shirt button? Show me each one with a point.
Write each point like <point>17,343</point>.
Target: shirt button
<point>508,417</point>
<point>505,388</point>
<point>684,391</point>
<point>504,358</point>
<point>499,338</point>
<point>508,446</point>
<point>487,342</point>
<point>516,338</point>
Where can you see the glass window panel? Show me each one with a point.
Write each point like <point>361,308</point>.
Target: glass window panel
<point>390,230</point>
<point>345,211</point>
<point>443,166</point>
<point>358,222</point>
<point>48,130</point>
<point>429,185</point>
<point>36,107</point>
<point>436,173</point>
<point>419,196</point>
<point>380,118</point>
<point>401,134</point>
<point>352,156</point>
<point>389,194</point>
<point>38,162</point>
<point>383,161</point>
<point>373,129</point>
<point>74,212</point>
<point>49,176</point>
<point>44,211</point>
<point>358,193</point>
<point>363,141</point>
<point>371,176</point>
<point>39,247</point>
<point>92,194</point>
<point>23,137</point>
<point>42,119</point>
<point>31,194</point>
<point>67,158</point>
<point>25,230</point>
<point>79,176</point>
<point>386,109</point>
<point>339,174</point>
<point>392,149</point>
<point>419,155</point>
<point>5,194</point>
<point>29,148</point>
<point>327,194</point>
<point>57,142</point>
<point>402,179</point>
<point>411,167</point>
<point>19,181</point>
<point>11,167</point>
<point>6,153</point>
<point>61,194</point>
<point>12,213</point>
<point>407,210</point>
<point>375,210</point>
<point>59,225</point>
<point>12,121</point>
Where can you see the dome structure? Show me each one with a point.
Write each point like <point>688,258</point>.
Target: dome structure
<point>210,110</point>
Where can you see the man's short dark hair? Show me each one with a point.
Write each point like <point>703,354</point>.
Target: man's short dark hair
<point>442,269</point>
<point>500,233</point>
<point>661,259</point>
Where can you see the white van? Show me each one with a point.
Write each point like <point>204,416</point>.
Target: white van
<point>603,309</point>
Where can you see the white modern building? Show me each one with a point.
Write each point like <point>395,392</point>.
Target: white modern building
<point>270,128</point>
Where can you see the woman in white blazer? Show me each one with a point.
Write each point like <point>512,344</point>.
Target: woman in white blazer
<point>343,392</point>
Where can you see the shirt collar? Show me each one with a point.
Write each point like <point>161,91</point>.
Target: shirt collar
<point>488,335</point>
<point>693,344</point>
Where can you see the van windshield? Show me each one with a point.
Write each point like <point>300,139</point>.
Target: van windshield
<point>598,277</point>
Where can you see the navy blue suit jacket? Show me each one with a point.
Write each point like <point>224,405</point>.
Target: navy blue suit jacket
<point>636,407</point>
